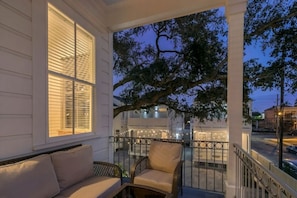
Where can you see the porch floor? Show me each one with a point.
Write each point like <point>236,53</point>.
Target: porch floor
<point>197,193</point>
<point>192,192</point>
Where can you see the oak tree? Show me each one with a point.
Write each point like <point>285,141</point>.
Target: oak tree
<point>182,62</point>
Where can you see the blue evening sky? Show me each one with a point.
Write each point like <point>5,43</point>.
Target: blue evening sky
<point>265,99</point>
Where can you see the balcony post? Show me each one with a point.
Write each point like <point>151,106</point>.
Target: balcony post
<point>235,16</point>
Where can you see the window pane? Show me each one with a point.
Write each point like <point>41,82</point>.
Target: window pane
<point>84,56</point>
<point>60,102</point>
<point>61,43</point>
<point>83,110</point>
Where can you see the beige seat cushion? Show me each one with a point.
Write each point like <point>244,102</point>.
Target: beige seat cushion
<point>155,179</point>
<point>92,187</point>
<point>164,156</point>
<point>73,165</point>
<point>34,178</point>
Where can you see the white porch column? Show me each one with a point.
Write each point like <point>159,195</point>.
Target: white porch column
<point>235,15</point>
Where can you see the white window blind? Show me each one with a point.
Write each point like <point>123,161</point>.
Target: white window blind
<point>71,76</point>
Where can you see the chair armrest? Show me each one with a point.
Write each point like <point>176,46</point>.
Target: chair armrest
<point>138,167</point>
<point>177,179</point>
<point>107,169</point>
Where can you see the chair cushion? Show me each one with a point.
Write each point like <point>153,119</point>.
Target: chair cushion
<point>155,179</point>
<point>32,178</point>
<point>164,156</point>
<point>93,187</point>
<point>73,165</point>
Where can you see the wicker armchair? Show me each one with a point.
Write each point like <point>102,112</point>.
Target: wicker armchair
<point>162,168</point>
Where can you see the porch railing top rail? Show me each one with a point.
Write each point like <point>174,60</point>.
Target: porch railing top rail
<point>167,139</point>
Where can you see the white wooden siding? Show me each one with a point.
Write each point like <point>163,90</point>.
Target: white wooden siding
<point>15,78</point>
<point>17,87</point>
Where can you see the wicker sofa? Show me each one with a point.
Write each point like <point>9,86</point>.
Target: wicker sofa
<point>64,173</point>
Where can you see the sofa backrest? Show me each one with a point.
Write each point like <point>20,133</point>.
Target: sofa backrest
<point>28,156</point>
<point>34,178</point>
<point>74,165</point>
<point>45,174</point>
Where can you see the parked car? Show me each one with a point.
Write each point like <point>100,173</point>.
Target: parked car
<point>290,167</point>
<point>293,132</point>
<point>292,149</point>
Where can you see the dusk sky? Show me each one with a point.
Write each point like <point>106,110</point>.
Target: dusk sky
<point>265,99</point>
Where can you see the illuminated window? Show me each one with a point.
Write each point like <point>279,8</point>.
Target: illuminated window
<point>71,76</point>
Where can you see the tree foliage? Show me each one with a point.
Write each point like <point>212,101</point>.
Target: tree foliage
<point>184,59</point>
<point>274,28</point>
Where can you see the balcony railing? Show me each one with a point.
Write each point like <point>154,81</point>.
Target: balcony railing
<point>255,181</point>
<point>204,162</point>
<point>204,167</point>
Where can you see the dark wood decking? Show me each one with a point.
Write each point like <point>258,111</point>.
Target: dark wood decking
<point>196,193</point>
<point>192,192</point>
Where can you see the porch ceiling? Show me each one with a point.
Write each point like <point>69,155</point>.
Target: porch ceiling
<point>123,14</point>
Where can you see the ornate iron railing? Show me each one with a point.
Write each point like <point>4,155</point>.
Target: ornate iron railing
<point>255,181</point>
<point>204,162</point>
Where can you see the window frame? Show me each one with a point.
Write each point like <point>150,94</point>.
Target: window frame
<point>40,129</point>
<point>79,78</point>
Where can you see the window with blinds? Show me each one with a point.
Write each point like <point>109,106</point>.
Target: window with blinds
<point>71,76</point>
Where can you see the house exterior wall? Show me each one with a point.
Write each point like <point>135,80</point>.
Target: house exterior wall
<point>156,123</point>
<point>15,78</point>
<point>120,121</point>
<point>214,133</point>
<point>23,84</point>
<point>272,118</point>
